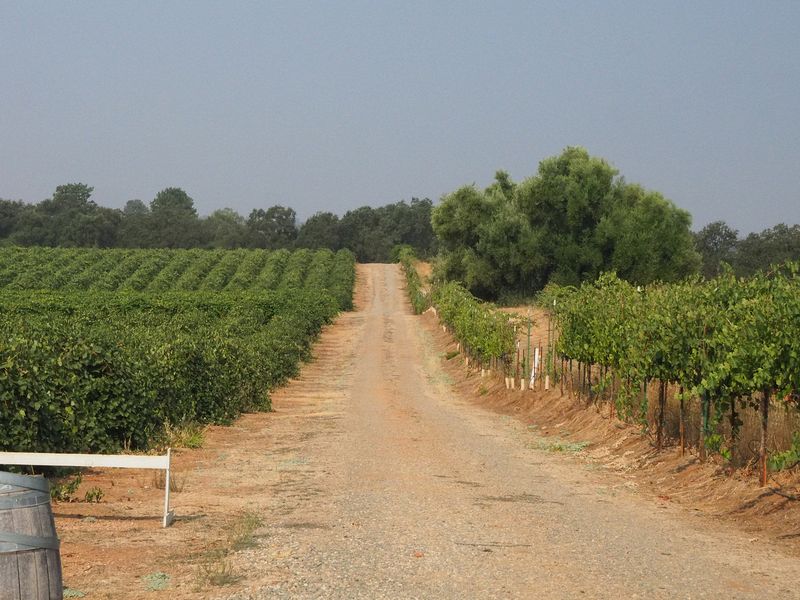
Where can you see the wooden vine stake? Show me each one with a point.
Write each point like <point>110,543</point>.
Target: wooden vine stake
<point>611,392</point>
<point>734,421</point>
<point>570,382</point>
<point>762,450</point>
<point>704,417</point>
<point>527,370</point>
<point>644,406</point>
<point>587,373</point>
<point>682,424</point>
<point>662,401</point>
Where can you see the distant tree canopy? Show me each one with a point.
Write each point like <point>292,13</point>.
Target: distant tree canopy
<point>719,244</point>
<point>69,218</point>
<point>572,220</point>
<point>320,230</point>
<point>273,228</point>
<point>170,220</point>
<point>716,243</point>
<point>372,232</point>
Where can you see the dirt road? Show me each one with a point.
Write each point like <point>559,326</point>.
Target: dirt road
<point>388,486</point>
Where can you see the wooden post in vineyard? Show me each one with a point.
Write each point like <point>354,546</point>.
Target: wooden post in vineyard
<point>662,401</point>
<point>549,363</point>
<point>588,375</point>
<point>568,373</point>
<point>734,421</point>
<point>762,450</point>
<point>682,419</point>
<point>541,366</point>
<point>704,417</point>
<point>644,407</point>
<point>528,363</point>
<point>611,405</point>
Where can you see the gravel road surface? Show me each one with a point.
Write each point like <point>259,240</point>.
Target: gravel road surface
<point>386,485</point>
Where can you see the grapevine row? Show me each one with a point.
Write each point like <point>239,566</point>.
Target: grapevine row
<point>164,337</point>
<point>419,300</point>
<point>97,372</point>
<point>160,270</point>
<point>486,334</point>
<point>725,343</point>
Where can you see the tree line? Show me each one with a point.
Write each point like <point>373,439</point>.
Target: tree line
<point>70,218</point>
<point>575,218</point>
<point>718,243</point>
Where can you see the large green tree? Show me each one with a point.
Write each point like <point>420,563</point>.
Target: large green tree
<point>564,203</point>
<point>575,218</point>
<point>174,220</point>
<point>645,237</point>
<point>759,251</point>
<point>136,230</point>
<point>11,212</point>
<point>321,230</point>
<point>361,232</point>
<point>273,228</point>
<point>717,243</point>
<point>68,218</point>
<point>225,228</point>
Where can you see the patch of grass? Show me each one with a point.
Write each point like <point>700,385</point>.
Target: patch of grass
<point>176,482</point>
<point>71,593</point>
<point>295,461</point>
<point>788,459</point>
<point>94,495</point>
<point>452,354</point>
<point>440,378</point>
<point>483,390</point>
<point>241,536</point>
<point>63,490</point>
<point>217,570</point>
<point>155,582</point>
<point>558,445</point>
<point>189,435</point>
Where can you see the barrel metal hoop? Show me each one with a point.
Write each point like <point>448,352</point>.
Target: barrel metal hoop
<point>25,481</point>
<point>23,500</point>
<point>26,542</point>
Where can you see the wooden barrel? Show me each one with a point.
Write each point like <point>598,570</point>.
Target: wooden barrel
<point>30,563</point>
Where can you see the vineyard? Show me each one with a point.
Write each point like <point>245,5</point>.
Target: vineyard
<point>101,349</point>
<point>487,335</point>
<point>162,270</point>
<point>725,344</point>
<point>722,351</point>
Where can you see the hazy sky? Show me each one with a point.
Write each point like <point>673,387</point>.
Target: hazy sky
<point>333,105</point>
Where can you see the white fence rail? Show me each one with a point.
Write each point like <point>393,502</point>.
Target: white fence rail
<point>117,461</point>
